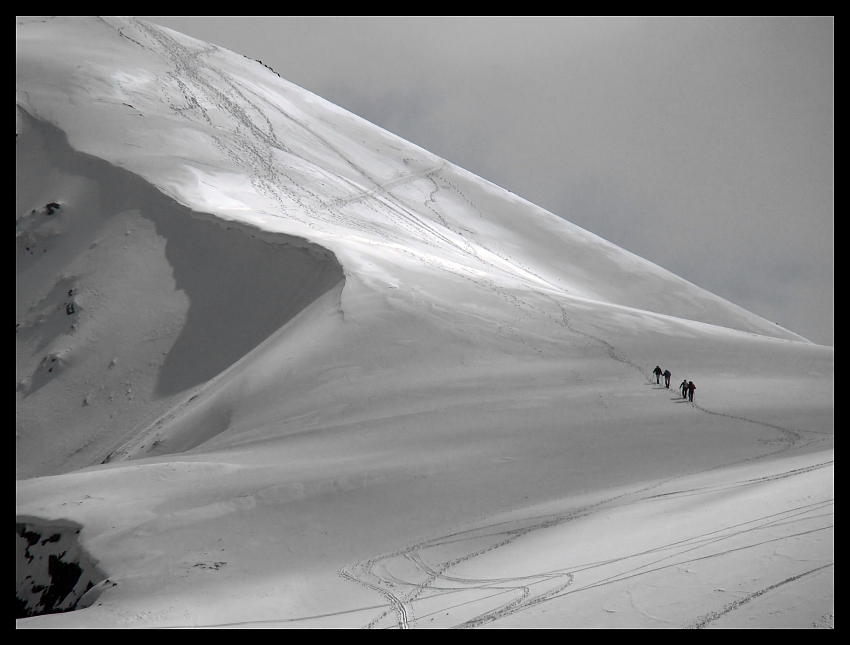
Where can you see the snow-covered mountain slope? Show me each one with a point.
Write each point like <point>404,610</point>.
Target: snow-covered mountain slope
<point>318,344</point>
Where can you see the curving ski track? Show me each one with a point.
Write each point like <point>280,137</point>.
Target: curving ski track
<point>524,592</point>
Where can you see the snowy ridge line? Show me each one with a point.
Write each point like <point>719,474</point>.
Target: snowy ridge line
<point>143,429</point>
<point>590,235</point>
<point>523,270</point>
<point>468,248</point>
<point>703,622</point>
<point>253,151</point>
<point>414,553</point>
<point>262,158</point>
<point>167,410</point>
<point>258,160</point>
<point>252,148</point>
<point>264,173</point>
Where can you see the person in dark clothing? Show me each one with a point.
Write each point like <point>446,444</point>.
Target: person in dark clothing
<point>657,372</point>
<point>691,388</point>
<point>667,376</point>
<point>684,388</point>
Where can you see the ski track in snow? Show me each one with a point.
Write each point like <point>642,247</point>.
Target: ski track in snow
<point>253,148</point>
<point>366,573</point>
<point>704,621</point>
<point>259,152</point>
<point>522,592</point>
<point>254,151</point>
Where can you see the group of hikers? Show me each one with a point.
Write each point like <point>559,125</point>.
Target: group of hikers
<point>687,387</point>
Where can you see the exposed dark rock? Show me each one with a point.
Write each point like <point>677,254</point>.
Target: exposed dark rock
<point>53,574</point>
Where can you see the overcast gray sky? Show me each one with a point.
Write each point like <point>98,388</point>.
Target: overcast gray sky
<point>702,144</point>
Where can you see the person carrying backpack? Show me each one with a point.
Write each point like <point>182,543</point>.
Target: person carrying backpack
<point>684,388</point>
<point>691,388</point>
<point>667,376</point>
<point>657,372</point>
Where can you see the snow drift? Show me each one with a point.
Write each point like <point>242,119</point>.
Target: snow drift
<point>287,368</point>
<point>115,277</point>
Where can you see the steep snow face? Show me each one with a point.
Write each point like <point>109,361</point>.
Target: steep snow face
<point>223,134</point>
<point>354,385</point>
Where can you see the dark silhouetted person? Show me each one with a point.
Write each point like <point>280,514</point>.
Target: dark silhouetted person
<point>657,372</point>
<point>667,376</point>
<point>684,388</point>
<point>691,388</point>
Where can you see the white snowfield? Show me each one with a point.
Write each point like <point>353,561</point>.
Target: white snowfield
<point>286,369</point>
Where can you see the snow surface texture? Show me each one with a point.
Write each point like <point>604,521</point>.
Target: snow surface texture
<point>287,369</point>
